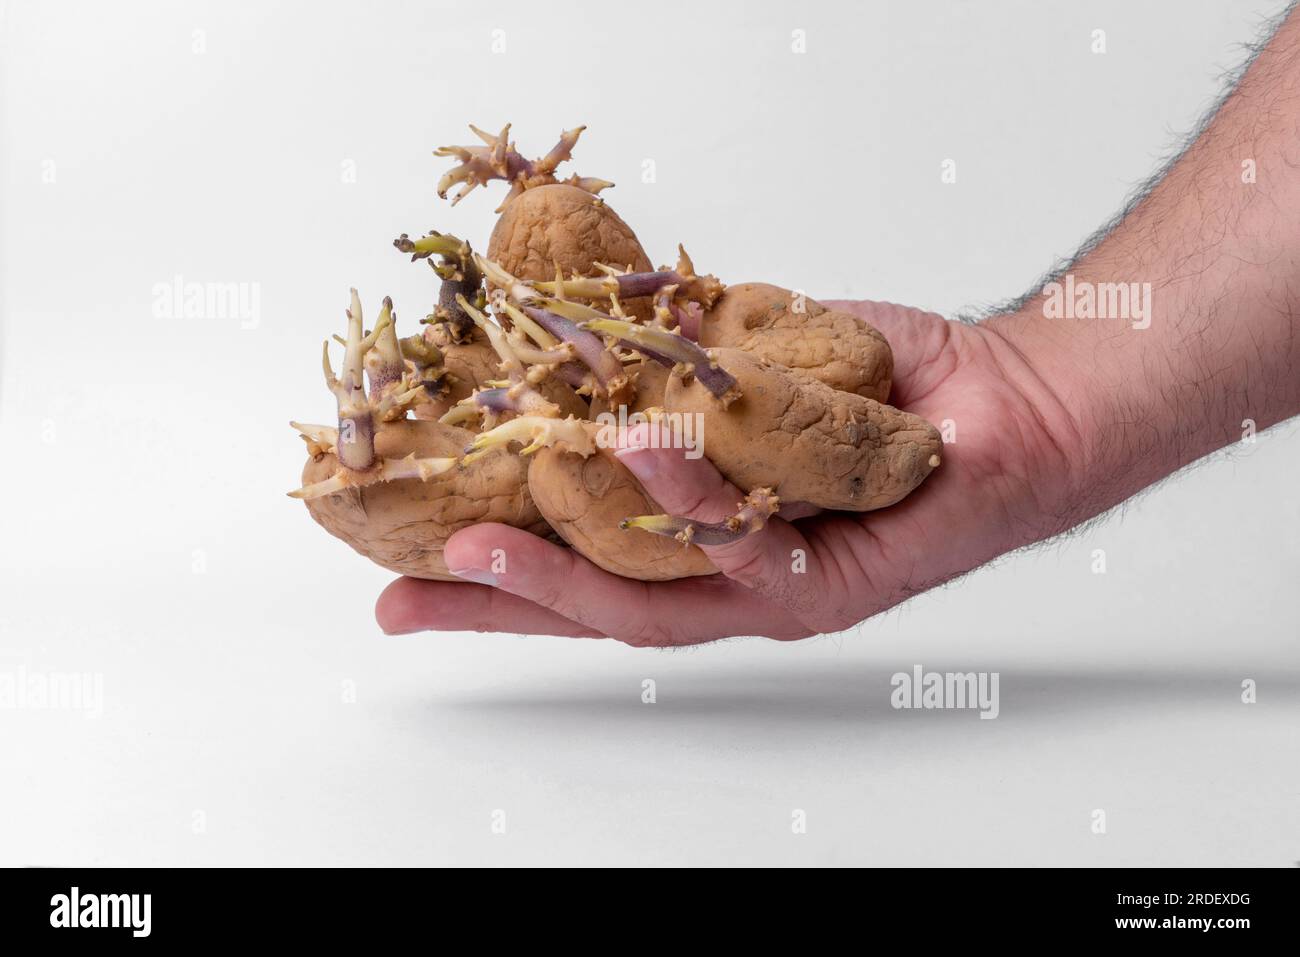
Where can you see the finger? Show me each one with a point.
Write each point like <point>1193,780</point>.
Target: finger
<point>775,561</point>
<point>684,612</point>
<point>793,511</point>
<point>410,604</point>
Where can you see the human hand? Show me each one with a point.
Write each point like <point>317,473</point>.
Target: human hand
<point>1004,482</point>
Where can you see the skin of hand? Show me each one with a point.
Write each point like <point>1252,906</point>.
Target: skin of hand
<point>986,498</point>
<point>1057,419</point>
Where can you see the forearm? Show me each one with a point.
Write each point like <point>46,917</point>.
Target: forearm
<point>1210,259</point>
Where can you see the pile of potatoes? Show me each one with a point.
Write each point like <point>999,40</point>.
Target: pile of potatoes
<point>498,408</point>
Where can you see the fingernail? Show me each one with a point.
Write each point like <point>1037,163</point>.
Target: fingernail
<point>480,575</point>
<point>642,463</point>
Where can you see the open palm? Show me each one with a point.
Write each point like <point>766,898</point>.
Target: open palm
<point>999,487</point>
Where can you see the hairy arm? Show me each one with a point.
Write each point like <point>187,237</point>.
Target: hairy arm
<point>1214,251</point>
<point>1062,410</point>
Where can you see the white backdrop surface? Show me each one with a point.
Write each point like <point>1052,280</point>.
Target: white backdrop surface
<point>251,710</point>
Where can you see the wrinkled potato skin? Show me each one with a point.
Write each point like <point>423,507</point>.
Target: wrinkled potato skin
<point>833,347</point>
<point>585,499</point>
<point>403,525</point>
<point>473,363</point>
<point>568,225</point>
<point>807,441</point>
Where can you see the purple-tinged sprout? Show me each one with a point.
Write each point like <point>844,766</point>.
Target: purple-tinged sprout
<point>356,446</point>
<point>586,346</point>
<point>458,271</point>
<point>517,393</point>
<point>517,398</point>
<point>583,314</point>
<point>668,346</point>
<point>498,159</point>
<point>752,514</point>
<point>353,442</point>
<point>541,317</point>
<point>495,400</point>
<point>392,387</point>
<point>427,360</point>
<point>650,354</point>
<point>630,285</point>
<point>559,153</point>
<point>384,364</point>
<point>688,318</point>
<point>575,374</point>
<point>577,311</point>
<point>450,312</point>
<point>356,410</point>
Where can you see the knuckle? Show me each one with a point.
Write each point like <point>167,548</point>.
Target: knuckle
<point>703,498</point>
<point>688,502</point>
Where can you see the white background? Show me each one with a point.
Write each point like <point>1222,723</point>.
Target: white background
<point>146,535</point>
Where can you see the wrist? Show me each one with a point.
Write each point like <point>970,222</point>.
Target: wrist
<point>1057,417</point>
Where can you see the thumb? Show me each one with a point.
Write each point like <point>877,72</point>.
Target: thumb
<point>682,481</point>
<point>775,561</point>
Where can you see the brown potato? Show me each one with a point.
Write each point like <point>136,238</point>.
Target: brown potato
<point>584,499</point>
<point>567,225</point>
<point>806,441</point>
<point>403,525</point>
<point>833,347</point>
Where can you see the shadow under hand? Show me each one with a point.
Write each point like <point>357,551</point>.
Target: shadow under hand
<point>858,692</point>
